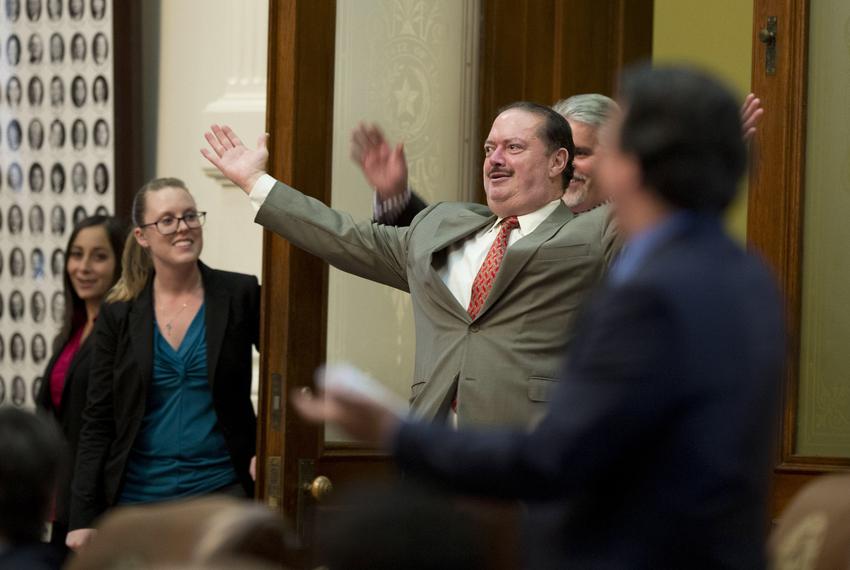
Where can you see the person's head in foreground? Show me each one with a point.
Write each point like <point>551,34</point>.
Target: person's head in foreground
<point>33,455</point>
<point>676,146</point>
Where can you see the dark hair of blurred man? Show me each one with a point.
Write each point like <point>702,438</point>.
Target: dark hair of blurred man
<point>33,455</point>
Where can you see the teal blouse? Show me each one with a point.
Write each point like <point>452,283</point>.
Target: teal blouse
<point>179,451</point>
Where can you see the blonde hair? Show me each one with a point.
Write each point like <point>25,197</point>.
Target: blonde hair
<point>136,262</point>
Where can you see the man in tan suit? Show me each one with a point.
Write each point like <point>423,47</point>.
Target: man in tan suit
<point>495,289</point>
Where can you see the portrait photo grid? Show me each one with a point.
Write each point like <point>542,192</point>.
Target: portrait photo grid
<point>56,167</point>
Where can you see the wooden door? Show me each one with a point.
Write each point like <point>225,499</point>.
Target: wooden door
<point>780,183</point>
<point>295,460</point>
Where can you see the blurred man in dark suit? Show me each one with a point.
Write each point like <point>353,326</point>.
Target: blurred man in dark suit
<point>656,450</point>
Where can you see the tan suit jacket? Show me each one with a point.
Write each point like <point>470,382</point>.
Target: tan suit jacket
<point>503,363</point>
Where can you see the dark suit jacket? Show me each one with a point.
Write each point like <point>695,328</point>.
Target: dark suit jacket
<point>656,449</point>
<point>69,415</point>
<point>415,205</point>
<point>122,364</point>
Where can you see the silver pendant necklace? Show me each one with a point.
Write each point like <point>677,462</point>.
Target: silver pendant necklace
<point>169,324</point>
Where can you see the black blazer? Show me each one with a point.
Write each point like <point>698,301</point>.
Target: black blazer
<point>69,415</point>
<point>122,364</point>
<point>657,447</point>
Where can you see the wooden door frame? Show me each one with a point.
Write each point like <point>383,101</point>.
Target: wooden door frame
<point>300,116</point>
<point>294,308</point>
<point>775,212</point>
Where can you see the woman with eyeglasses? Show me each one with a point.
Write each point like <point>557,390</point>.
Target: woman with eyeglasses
<point>169,413</point>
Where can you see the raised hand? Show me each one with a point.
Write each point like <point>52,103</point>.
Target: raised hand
<point>365,419</point>
<point>385,169</point>
<point>751,113</point>
<point>241,165</point>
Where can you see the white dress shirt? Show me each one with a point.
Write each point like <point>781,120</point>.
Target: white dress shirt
<point>465,257</point>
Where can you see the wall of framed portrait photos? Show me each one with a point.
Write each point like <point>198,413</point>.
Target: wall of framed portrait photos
<point>57,166</point>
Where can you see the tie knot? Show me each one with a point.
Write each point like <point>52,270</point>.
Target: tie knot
<point>510,223</point>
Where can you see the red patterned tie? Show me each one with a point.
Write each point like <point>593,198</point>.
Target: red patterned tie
<point>490,268</point>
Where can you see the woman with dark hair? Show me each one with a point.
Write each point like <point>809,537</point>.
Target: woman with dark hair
<point>169,412</point>
<point>93,266</point>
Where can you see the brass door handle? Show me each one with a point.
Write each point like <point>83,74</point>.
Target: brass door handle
<point>767,36</point>
<point>320,488</point>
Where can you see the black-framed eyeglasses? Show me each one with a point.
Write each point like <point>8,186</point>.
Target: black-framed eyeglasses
<point>168,225</point>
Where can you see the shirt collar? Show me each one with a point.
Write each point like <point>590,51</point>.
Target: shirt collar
<point>637,249</point>
<point>529,222</point>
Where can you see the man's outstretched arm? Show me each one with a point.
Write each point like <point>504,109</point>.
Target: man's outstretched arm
<point>371,251</point>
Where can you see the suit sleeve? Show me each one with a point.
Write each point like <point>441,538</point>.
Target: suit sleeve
<point>617,389</point>
<point>98,427</point>
<point>612,239</point>
<point>404,217</point>
<point>366,249</point>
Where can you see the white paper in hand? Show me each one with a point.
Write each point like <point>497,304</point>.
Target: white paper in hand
<point>347,378</point>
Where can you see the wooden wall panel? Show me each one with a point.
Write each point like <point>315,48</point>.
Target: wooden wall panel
<point>545,50</point>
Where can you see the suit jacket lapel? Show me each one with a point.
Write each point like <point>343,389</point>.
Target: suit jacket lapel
<point>450,231</point>
<point>217,307</point>
<point>520,253</point>
<point>141,321</point>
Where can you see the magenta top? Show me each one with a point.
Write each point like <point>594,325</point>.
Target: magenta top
<point>60,369</point>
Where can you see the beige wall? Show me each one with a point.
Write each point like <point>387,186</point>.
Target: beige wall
<point>716,35</point>
<point>214,72</point>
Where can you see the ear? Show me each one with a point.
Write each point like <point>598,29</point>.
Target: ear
<point>558,162</point>
<point>140,237</point>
